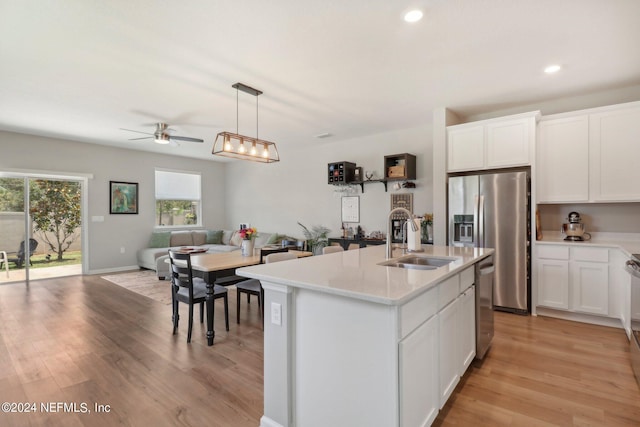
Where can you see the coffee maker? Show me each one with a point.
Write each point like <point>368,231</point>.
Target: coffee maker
<point>574,229</point>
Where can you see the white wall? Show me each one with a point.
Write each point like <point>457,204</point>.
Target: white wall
<point>28,152</point>
<point>274,197</point>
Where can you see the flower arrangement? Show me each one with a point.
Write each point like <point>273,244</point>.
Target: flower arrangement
<point>425,222</point>
<point>248,233</point>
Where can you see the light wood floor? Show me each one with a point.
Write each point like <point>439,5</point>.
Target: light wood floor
<point>82,339</point>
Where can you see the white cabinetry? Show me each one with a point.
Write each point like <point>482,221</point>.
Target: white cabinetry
<point>467,328</point>
<point>589,156</point>
<point>573,278</point>
<point>449,350</point>
<point>457,330</point>
<point>419,394</point>
<point>614,151</point>
<point>465,148</point>
<point>491,144</point>
<point>563,160</point>
<point>553,276</point>
<point>590,280</point>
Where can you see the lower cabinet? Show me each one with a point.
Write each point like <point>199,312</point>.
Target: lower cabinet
<point>553,283</point>
<point>573,278</point>
<point>590,287</point>
<point>419,394</point>
<point>449,350</point>
<point>457,323</point>
<point>467,328</point>
<point>436,353</point>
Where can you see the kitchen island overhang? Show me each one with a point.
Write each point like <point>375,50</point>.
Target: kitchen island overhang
<point>338,334</point>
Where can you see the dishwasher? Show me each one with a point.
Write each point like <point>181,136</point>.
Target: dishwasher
<point>633,268</point>
<point>484,276</point>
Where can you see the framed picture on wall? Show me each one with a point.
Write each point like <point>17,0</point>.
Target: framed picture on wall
<point>350,209</point>
<point>123,197</point>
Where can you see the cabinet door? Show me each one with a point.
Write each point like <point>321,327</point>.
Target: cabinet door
<point>508,143</point>
<point>614,154</point>
<point>449,350</point>
<point>553,283</point>
<point>419,394</point>
<point>563,160</point>
<point>590,287</point>
<point>467,315</point>
<point>465,148</point>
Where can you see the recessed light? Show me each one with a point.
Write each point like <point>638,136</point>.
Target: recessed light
<point>413,16</point>
<point>552,69</point>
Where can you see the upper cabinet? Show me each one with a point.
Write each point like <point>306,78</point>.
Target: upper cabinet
<point>563,160</point>
<point>614,150</point>
<point>589,156</point>
<point>491,144</point>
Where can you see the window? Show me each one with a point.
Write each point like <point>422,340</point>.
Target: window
<point>177,198</point>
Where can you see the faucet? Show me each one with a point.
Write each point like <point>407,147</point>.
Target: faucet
<point>409,215</point>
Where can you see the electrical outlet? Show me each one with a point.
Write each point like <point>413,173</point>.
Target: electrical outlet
<point>276,313</point>
<point>122,250</point>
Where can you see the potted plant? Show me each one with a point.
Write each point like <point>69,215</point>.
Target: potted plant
<point>316,237</point>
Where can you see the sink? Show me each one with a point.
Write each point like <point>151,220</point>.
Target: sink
<point>419,262</point>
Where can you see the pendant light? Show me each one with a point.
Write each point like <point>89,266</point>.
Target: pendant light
<point>243,147</point>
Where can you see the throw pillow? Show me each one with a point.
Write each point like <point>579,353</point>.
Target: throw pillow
<point>236,240</point>
<point>160,239</point>
<point>276,239</point>
<point>214,237</point>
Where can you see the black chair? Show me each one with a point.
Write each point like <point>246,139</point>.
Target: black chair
<point>253,286</point>
<point>297,245</point>
<point>21,256</point>
<point>191,290</point>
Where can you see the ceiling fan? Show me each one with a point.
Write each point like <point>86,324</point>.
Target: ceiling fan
<point>163,135</point>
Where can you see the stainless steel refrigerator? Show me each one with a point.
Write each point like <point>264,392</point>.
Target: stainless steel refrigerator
<point>492,211</point>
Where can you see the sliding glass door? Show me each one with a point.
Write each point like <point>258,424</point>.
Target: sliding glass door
<point>40,227</point>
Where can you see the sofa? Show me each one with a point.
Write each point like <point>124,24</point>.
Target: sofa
<point>215,241</point>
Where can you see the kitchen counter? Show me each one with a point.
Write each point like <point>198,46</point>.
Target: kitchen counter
<point>356,273</point>
<point>341,325</point>
<point>628,243</point>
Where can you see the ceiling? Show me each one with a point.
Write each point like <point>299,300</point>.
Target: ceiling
<point>81,70</point>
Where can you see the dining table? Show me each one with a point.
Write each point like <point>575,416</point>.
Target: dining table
<point>211,266</point>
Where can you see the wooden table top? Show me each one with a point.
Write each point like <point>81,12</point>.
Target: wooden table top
<point>228,260</point>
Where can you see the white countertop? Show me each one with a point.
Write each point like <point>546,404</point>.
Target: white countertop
<point>629,243</point>
<point>356,273</point>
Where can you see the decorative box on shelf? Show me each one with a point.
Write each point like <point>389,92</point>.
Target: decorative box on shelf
<point>340,172</point>
<point>400,166</point>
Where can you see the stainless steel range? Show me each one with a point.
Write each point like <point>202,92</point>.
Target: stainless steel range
<point>633,267</point>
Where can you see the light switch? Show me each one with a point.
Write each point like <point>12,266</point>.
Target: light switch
<point>276,313</point>
<point>97,218</point>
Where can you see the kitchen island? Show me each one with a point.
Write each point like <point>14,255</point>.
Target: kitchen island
<point>350,342</point>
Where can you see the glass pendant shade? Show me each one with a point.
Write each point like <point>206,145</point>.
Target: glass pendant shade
<point>235,146</point>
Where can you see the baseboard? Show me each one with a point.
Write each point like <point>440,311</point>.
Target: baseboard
<point>580,317</point>
<point>114,270</point>
<point>268,422</point>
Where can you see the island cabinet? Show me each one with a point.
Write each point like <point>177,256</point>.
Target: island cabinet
<point>489,144</point>
<point>589,155</point>
<point>349,342</point>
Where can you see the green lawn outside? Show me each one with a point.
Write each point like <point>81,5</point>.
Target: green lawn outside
<point>40,260</point>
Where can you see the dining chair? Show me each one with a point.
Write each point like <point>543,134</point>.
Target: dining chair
<point>253,286</point>
<point>4,261</point>
<point>332,249</point>
<point>297,245</point>
<point>191,290</point>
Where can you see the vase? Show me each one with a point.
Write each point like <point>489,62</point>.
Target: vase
<point>247,247</point>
